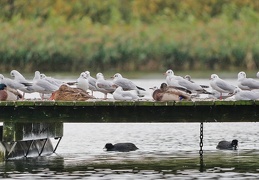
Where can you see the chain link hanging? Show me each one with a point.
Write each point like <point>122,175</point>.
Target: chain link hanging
<point>201,146</point>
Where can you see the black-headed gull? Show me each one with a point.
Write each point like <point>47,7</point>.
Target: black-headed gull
<point>246,83</point>
<point>125,83</point>
<point>188,77</point>
<point>120,94</point>
<point>240,94</point>
<point>52,80</point>
<point>91,82</point>
<point>104,86</point>
<point>221,85</point>
<point>178,81</point>
<point>82,82</point>
<point>18,77</point>
<point>13,84</point>
<point>42,86</point>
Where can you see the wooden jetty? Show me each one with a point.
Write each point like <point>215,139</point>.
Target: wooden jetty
<point>129,111</point>
<point>29,125</point>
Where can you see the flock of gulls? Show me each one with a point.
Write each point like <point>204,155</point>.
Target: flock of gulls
<point>174,88</point>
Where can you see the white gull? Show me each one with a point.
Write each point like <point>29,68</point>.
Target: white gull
<point>221,85</point>
<point>120,94</point>
<point>246,83</point>
<point>82,82</point>
<point>103,85</point>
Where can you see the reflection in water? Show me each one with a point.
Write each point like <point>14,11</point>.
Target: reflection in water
<point>114,165</point>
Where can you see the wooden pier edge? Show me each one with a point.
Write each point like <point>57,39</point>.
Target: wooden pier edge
<point>130,111</point>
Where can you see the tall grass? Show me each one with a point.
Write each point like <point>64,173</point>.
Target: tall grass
<point>58,45</point>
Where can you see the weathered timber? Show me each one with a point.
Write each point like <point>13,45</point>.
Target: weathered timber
<point>130,111</point>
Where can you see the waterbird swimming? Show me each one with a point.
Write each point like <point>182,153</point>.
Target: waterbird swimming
<point>121,147</point>
<point>227,145</point>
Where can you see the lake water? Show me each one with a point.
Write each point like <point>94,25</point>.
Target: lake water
<point>166,151</point>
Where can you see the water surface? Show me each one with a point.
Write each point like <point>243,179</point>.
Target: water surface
<point>166,150</point>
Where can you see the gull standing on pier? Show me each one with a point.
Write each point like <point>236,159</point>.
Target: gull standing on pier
<point>178,81</point>
<point>221,85</point>
<point>13,84</point>
<point>52,80</point>
<point>42,86</point>
<point>246,83</point>
<point>126,84</point>
<point>82,82</point>
<point>104,86</point>
<point>91,82</point>
<point>18,77</point>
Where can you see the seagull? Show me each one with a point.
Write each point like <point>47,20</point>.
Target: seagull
<point>26,85</point>
<point>245,94</point>
<point>8,94</point>
<point>188,77</point>
<point>42,86</point>
<point>103,85</point>
<point>82,82</point>
<point>120,94</point>
<point>19,77</point>
<point>178,81</point>
<point>125,83</point>
<point>52,80</point>
<point>12,83</point>
<point>91,82</point>
<point>246,83</point>
<point>166,93</point>
<point>221,85</point>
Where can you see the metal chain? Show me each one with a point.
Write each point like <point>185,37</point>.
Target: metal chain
<point>201,145</point>
<point>201,138</point>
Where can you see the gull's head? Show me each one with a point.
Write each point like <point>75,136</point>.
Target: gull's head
<point>83,75</point>
<point>42,76</point>
<point>1,76</point>
<point>99,75</point>
<point>117,76</point>
<point>214,76</point>
<point>37,75</point>
<point>14,73</point>
<point>169,72</point>
<point>87,73</point>
<point>241,75</point>
<point>188,77</point>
